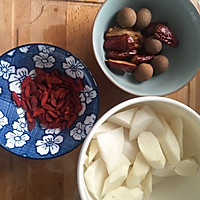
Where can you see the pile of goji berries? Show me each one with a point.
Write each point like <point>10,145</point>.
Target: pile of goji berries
<point>51,97</point>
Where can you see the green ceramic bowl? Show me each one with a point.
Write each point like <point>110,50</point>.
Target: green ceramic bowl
<point>183,19</point>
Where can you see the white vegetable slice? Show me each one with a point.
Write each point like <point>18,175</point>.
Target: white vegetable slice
<point>167,171</point>
<point>86,161</point>
<point>169,144</point>
<point>93,150</point>
<point>147,184</point>
<point>123,118</point>
<point>140,123</point>
<point>115,179</point>
<point>151,150</point>
<point>156,126</point>
<point>110,146</point>
<point>123,160</point>
<point>176,124</point>
<point>105,127</point>
<point>187,167</point>
<point>95,176</point>
<point>130,148</point>
<point>125,193</point>
<point>138,171</point>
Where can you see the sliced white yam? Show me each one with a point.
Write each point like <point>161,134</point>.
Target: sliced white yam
<point>187,167</point>
<point>140,123</point>
<point>86,161</point>
<point>151,150</point>
<point>168,170</point>
<point>176,124</point>
<point>95,176</point>
<point>111,145</point>
<point>93,150</point>
<point>105,127</point>
<point>147,184</point>
<point>123,160</point>
<point>124,193</point>
<point>138,171</point>
<point>156,126</point>
<point>130,148</point>
<point>115,179</point>
<point>123,118</point>
<point>169,144</point>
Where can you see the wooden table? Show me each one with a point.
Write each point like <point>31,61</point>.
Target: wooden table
<point>68,24</point>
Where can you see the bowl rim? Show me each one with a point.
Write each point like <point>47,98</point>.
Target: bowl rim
<point>123,88</point>
<point>106,115</point>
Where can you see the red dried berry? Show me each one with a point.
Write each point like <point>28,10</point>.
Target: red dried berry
<point>16,98</point>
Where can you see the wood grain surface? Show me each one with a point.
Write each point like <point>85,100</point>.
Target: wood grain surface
<point>68,24</point>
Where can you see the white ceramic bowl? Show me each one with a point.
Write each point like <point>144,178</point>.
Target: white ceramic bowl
<point>173,188</point>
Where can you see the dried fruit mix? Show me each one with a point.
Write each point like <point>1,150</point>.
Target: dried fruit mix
<point>128,46</point>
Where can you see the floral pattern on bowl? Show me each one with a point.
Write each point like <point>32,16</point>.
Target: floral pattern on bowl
<point>41,143</point>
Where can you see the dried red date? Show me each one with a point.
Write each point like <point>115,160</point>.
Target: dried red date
<point>121,55</point>
<point>121,43</point>
<point>121,65</point>
<point>151,28</point>
<point>137,59</point>
<point>166,36</point>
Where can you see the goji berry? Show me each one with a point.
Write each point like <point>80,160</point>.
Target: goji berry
<point>26,82</point>
<point>52,99</point>
<point>33,87</point>
<point>63,93</point>
<point>44,98</point>
<point>52,79</point>
<point>60,103</point>
<point>31,125</point>
<point>41,86</point>
<point>80,84</point>
<point>28,104</point>
<point>48,117</point>
<point>23,104</point>
<point>29,116</point>
<point>72,120</point>
<point>54,115</point>
<point>49,107</point>
<point>34,102</point>
<point>38,111</point>
<point>16,98</point>
<point>58,92</point>
<point>27,91</point>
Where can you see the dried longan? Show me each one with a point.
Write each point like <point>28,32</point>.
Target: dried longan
<point>143,72</point>
<point>152,46</point>
<point>126,17</point>
<point>160,64</point>
<point>143,18</point>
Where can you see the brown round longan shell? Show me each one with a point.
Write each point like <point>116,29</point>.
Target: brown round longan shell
<point>143,18</point>
<point>143,72</point>
<point>152,45</point>
<point>160,64</point>
<point>126,17</point>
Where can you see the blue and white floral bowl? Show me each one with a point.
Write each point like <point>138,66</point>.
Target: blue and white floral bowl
<point>42,143</point>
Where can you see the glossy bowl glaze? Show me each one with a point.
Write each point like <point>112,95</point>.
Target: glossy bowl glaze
<point>183,19</point>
